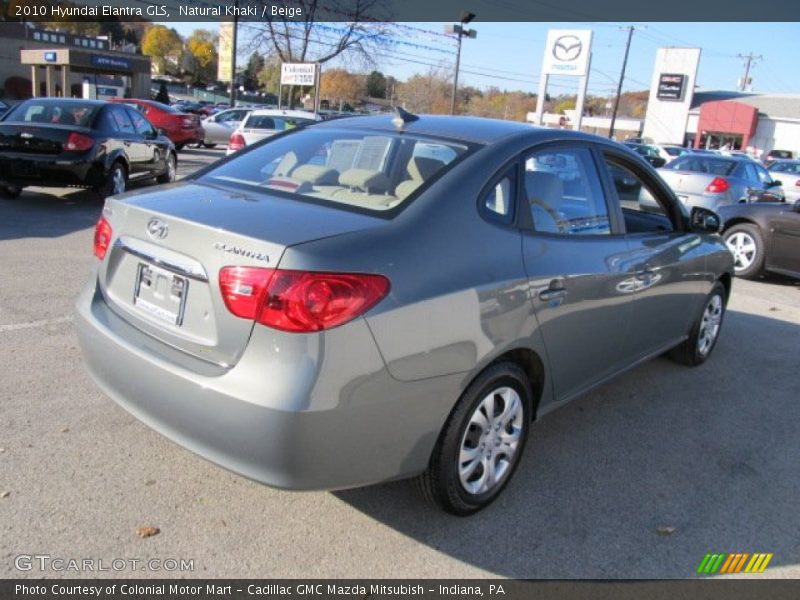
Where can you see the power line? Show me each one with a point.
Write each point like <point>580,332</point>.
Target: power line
<point>749,62</point>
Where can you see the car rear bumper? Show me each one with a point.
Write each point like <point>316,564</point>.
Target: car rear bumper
<point>50,172</point>
<point>190,135</point>
<point>291,421</point>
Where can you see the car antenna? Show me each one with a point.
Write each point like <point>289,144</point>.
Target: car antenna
<point>403,117</point>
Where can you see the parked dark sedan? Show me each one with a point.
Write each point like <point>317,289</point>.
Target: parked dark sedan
<point>61,142</point>
<point>763,237</point>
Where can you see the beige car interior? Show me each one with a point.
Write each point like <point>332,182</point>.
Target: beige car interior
<point>353,174</point>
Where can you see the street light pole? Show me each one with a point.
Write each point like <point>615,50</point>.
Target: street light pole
<point>460,31</point>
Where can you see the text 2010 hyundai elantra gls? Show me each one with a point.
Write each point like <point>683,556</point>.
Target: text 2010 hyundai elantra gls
<point>372,299</point>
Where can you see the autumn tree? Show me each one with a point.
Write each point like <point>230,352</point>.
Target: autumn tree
<point>340,86</point>
<point>202,47</point>
<point>428,93</point>
<point>162,45</point>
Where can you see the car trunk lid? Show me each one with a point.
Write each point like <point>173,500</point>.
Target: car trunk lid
<point>686,182</point>
<point>162,271</point>
<point>35,138</point>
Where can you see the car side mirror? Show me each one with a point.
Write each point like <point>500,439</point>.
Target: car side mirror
<point>704,221</point>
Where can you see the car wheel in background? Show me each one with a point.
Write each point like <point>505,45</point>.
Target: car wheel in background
<point>116,181</point>
<point>179,147</point>
<point>10,191</point>
<point>207,145</point>
<point>747,246</point>
<point>482,441</point>
<point>172,168</point>
<point>705,331</point>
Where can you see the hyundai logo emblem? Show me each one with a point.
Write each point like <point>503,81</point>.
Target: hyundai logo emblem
<point>567,48</point>
<point>157,229</point>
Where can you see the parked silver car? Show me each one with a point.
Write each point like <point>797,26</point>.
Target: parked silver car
<point>218,128</point>
<point>788,171</point>
<point>713,180</point>
<point>379,298</point>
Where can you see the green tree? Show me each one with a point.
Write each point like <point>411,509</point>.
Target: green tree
<point>376,85</point>
<point>254,66</point>
<point>269,77</point>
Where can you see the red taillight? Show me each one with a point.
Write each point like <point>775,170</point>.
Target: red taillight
<point>77,142</point>
<point>236,142</point>
<point>797,183</point>
<point>102,238</point>
<point>718,185</point>
<point>299,301</point>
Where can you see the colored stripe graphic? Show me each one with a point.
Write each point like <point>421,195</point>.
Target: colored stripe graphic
<point>758,563</point>
<point>734,562</point>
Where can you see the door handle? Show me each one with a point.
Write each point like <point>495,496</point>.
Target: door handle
<point>646,274</point>
<point>554,291</point>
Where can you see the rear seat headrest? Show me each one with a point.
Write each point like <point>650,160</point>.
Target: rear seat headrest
<point>316,174</point>
<point>421,168</point>
<point>373,182</point>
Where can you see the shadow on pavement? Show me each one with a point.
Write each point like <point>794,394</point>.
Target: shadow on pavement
<point>712,452</point>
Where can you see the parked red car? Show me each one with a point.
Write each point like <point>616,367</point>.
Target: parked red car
<point>181,128</point>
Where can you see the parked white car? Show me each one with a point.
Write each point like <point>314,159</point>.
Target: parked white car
<point>263,123</point>
<point>219,127</point>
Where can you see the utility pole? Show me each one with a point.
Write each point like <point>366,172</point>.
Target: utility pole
<point>749,62</point>
<point>233,54</point>
<point>630,29</point>
<point>461,32</point>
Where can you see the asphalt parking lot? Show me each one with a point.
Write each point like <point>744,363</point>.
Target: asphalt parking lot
<point>639,479</point>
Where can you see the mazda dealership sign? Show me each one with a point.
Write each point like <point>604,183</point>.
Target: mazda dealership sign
<point>567,52</point>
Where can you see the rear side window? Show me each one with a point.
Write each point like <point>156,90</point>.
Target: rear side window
<point>120,117</point>
<point>564,194</point>
<point>142,125</point>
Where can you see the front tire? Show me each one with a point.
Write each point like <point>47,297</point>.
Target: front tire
<point>482,441</point>
<point>704,334</point>
<point>747,246</point>
<point>11,191</point>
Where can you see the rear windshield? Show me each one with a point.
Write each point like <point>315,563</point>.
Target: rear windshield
<point>276,123</point>
<point>786,167</point>
<point>373,171</point>
<point>699,163</point>
<point>57,113</point>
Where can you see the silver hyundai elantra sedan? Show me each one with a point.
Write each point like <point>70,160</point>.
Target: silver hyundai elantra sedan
<point>370,299</point>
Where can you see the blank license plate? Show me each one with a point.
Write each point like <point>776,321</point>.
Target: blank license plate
<point>160,293</point>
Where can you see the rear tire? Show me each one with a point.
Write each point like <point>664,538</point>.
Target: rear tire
<point>11,192</point>
<point>179,147</point>
<point>481,443</point>
<point>747,246</point>
<point>116,181</point>
<point>705,331</point>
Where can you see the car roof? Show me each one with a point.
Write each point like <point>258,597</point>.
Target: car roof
<point>457,128</point>
<point>276,112</point>
<point>49,100</point>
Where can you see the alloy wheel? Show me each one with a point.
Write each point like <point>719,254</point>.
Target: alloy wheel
<point>490,441</point>
<point>710,324</point>
<point>744,249</point>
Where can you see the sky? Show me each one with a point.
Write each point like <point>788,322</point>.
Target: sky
<point>509,55</point>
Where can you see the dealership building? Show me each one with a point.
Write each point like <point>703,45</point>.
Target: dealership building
<point>680,113</point>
